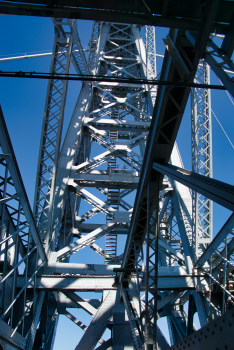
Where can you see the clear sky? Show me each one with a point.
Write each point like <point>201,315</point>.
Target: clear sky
<point>23,101</point>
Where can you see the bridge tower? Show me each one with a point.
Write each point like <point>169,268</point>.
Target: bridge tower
<point>116,187</point>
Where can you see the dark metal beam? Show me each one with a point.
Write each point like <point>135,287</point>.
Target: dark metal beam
<point>221,65</point>
<point>167,116</point>
<point>215,190</point>
<point>181,14</point>
<point>228,42</point>
<point>107,79</point>
<point>219,238</point>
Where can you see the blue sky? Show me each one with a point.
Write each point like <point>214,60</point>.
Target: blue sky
<point>23,102</point>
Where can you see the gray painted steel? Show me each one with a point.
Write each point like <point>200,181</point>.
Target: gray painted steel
<point>126,121</point>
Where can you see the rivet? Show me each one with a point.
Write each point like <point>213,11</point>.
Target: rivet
<point>226,347</point>
<point>215,325</point>
<point>230,323</point>
<point>199,339</point>
<point>205,336</point>
<point>208,328</point>
<point>193,342</point>
<point>201,333</point>
<point>221,328</point>
<point>212,332</point>
<point>223,320</point>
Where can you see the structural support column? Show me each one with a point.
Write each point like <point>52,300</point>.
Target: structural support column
<point>52,131</point>
<point>99,323</point>
<point>151,283</point>
<point>151,59</point>
<point>201,158</point>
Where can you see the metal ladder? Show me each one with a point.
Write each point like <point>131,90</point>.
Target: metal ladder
<point>113,201</point>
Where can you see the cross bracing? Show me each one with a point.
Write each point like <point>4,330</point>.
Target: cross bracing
<point>159,268</point>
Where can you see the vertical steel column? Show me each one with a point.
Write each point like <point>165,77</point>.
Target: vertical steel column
<point>151,283</point>
<point>93,47</point>
<point>15,261</point>
<point>151,58</point>
<point>140,277</point>
<point>3,232</point>
<point>52,131</point>
<point>35,321</point>
<point>201,158</point>
<point>224,278</point>
<point>113,198</point>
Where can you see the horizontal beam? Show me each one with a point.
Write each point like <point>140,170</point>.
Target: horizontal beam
<point>116,124</point>
<point>71,283</point>
<point>111,180</point>
<point>87,228</point>
<point>26,56</point>
<point>99,284</point>
<point>107,79</point>
<point>178,16</point>
<point>105,270</point>
<point>215,190</point>
<point>81,269</point>
<point>169,278</point>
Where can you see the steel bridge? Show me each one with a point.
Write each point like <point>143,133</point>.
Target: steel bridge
<point>120,157</point>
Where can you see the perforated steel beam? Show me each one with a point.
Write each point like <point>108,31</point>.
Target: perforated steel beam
<point>217,335</point>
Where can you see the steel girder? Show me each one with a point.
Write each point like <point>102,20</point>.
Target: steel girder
<point>166,14</point>
<point>218,191</point>
<point>140,222</point>
<point>165,123</point>
<point>202,159</point>
<point>151,59</point>
<point>221,64</point>
<point>21,250</point>
<point>67,47</point>
<point>77,142</point>
<point>99,322</point>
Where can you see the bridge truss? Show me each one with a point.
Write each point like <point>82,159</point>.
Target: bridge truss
<point>117,185</point>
